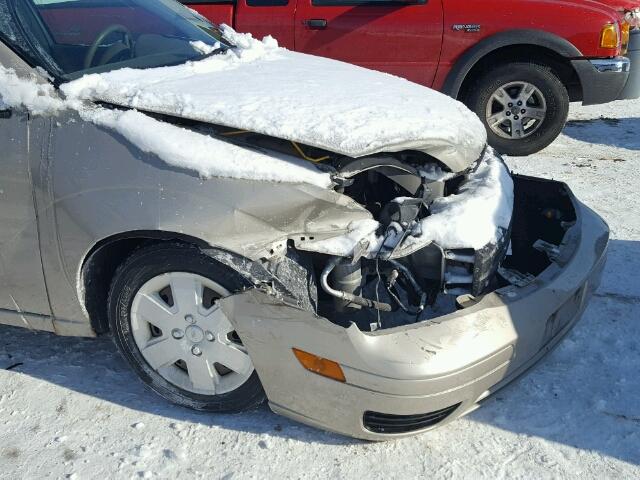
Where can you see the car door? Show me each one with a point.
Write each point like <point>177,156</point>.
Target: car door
<point>400,37</point>
<point>22,287</point>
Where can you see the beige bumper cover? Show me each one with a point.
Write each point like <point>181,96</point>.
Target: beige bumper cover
<point>459,358</point>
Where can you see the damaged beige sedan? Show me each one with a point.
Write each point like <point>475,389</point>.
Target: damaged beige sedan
<point>253,224</point>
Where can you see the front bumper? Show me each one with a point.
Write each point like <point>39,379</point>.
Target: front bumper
<point>447,365</point>
<point>602,80</point>
<point>606,80</point>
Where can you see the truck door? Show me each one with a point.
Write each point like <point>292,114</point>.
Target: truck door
<point>258,17</point>
<point>267,17</point>
<point>216,11</point>
<point>400,37</point>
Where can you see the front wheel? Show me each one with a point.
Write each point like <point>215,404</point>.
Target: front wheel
<point>524,107</point>
<point>166,322</point>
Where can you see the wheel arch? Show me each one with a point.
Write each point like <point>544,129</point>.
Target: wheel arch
<point>100,263</point>
<point>513,46</point>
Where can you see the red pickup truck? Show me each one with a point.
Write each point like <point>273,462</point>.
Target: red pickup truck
<point>517,64</point>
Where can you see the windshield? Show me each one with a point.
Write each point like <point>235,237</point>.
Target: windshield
<point>86,36</point>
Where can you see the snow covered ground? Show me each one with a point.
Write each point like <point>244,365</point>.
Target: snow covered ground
<point>71,408</point>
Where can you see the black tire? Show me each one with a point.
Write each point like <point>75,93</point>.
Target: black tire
<point>145,264</point>
<point>551,87</point>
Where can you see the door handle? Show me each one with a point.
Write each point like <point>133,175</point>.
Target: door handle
<point>6,113</point>
<point>316,23</point>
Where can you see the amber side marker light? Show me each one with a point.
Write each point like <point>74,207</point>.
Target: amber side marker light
<point>610,38</point>
<point>319,365</point>
<point>625,33</point>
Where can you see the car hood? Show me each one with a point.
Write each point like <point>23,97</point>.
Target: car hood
<point>319,102</point>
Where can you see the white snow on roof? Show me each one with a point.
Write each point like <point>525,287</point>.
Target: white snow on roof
<point>316,101</point>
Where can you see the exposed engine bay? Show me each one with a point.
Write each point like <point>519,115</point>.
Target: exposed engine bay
<point>389,283</point>
<point>386,271</point>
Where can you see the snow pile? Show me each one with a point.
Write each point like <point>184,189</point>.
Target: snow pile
<point>204,48</point>
<point>473,217</point>
<point>316,101</point>
<point>206,155</point>
<point>249,48</point>
<point>38,98</point>
<point>434,173</point>
<point>360,232</point>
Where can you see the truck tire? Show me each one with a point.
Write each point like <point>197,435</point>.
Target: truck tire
<point>166,324</point>
<point>524,107</point>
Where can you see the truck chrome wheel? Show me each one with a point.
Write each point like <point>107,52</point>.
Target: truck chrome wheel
<point>516,110</point>
<point>184,336</point>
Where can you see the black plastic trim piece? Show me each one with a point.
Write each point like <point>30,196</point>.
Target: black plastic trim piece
<point>386,423</point>
<point>599,87</point>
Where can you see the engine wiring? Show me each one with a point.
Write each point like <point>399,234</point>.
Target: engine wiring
<point>296,147</point>
<point>306,157</point>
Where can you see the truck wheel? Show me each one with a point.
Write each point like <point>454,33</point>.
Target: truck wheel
<point>524,107</point>
<point>165,321</point>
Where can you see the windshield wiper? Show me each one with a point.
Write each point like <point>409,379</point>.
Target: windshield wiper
<point>213,52</point>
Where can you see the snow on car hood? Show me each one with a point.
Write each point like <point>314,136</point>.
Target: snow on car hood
<point>176,146</point>
<point>316,101</point>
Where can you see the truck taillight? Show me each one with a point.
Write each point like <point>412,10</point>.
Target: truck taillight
<point>610,36</point>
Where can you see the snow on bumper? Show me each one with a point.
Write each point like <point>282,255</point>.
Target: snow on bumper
<point>452,362</point>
